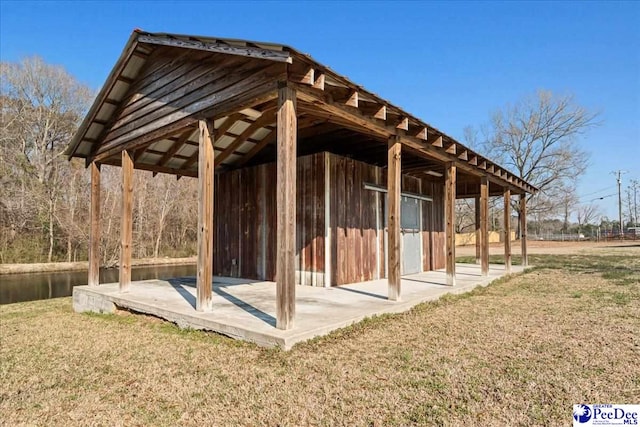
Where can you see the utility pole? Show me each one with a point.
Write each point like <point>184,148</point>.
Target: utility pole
<point>619,176</point>
<point>634,189</point>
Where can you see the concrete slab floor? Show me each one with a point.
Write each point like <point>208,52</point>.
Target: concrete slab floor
<point>245,309</point>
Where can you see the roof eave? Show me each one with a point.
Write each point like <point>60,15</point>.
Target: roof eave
<point>128,50</point>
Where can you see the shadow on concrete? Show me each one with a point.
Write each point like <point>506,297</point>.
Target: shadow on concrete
<point>178,285</point>
<point>357,291</point>
<point>254,311</point>
<point>426,281</point>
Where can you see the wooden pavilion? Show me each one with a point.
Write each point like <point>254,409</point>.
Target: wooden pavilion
<point>304,176</point>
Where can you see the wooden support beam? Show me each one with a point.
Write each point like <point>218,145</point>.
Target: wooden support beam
<point>286,208</point>
<point>381,114</point>
<point>474,161</point>
<point>124,79</point>
<point>267,118</point>
<point>422,134</point>
<point>523,229</point>
<point>306,77</point>
<point>464,155</point>
<point>507,230</point>
<point>126,232</point>
<point>204,281</point>
<point>323,105</point>
<point>256,148</point>
<point>138,153</point>
<point>184,137</point>
<point>394,260</point>
<point>484,225</point>
<point>352,100</point>
<point>218,47</point>
<point>450,218</point>
<point>478,233</point>
<point>226,125</point>
<point>94,230</point>
<point>319,81</point>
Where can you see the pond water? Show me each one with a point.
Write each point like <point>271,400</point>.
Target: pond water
<point>36,286</point>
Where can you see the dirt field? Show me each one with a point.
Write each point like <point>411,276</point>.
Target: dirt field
<point>520,352</point>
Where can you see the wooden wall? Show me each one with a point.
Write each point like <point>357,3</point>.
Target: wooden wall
<point>245,221</point>
<point>175,85</point>
<point>357,221</point>
<point>354,229</point>
<point>433,217</point>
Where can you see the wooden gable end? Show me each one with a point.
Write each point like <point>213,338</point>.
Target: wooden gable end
<point>176,88</point>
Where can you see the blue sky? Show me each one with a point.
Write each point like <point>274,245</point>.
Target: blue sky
<point>449,63</point>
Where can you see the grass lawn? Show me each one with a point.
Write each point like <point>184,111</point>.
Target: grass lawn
<point>519,352</point>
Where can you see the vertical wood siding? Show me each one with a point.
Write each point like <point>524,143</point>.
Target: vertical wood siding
<point>245,221</point>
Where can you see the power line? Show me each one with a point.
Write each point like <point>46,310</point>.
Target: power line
<point>603,197</point>
<point>596,192</point>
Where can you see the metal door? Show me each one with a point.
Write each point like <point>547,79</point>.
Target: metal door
<point>410,225</point>
<point>411,239</point>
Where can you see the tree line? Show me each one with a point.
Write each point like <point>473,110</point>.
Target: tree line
<point>44,198</point>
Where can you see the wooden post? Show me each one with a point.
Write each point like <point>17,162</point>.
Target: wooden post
<point>507,230</point>
<point>205,216</point>
<point>393,221</point>
<point>94,231</point>
<point>523,229</point>
<point>477,222</point>
<point>484,226</point>
<point>286,207</point>
<point>450,218</point>
<point>127,221</point>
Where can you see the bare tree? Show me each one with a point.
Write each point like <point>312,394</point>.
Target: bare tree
<point>538,139</point>
<point>587,214</point>
<point>632,202</point>
<point>41,109</point>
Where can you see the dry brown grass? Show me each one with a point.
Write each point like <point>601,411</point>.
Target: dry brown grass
<point>519,352</point>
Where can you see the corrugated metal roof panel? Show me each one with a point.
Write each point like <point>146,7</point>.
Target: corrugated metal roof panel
<point>119,91</point>
<point>94,131</point>
<point>105,112</point>
<point>223,142</point>
<point>187,150</point>
<point>84,148</point>
<point>238,127</point>
<point>133,67</point>
<point>246,147</point>
<point>260,133</point>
